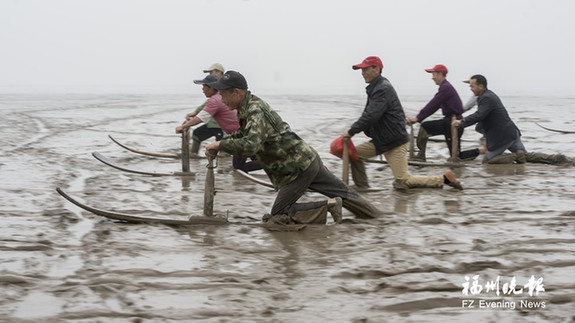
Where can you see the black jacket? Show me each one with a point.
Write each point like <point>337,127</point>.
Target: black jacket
<point>492,116</point>
<point>383,119</point>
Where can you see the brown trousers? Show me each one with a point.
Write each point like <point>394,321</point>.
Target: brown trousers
<point>397,160</point>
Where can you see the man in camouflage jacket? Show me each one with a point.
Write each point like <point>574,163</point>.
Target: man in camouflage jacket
<point>292,165</point>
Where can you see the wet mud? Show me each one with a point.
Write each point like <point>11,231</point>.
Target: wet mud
<point>60,263</point>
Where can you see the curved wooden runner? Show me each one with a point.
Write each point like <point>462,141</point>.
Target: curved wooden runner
<point>268,184</point>
<point>143,152</point>
<point>115,165</point>
<point>419,163</point>
<point>193,220</point>
<point>253,178</point>
<point>554,130</point>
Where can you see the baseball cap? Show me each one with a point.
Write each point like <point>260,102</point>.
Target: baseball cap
<point>231,79</point>
<point>212,78</point>
<point>369,61</point>
<point>437,68</point>
<point>467,81</point>
<point>215,66</point>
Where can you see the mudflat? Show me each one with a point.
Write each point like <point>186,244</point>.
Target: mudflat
<point>509,235</point>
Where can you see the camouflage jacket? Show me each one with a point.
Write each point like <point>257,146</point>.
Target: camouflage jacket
<point>263,133</point>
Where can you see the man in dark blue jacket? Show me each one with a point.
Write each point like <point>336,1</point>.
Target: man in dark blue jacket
<point>500,132</point>
<point>383,120</point>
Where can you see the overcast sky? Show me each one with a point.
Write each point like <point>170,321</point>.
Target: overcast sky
<point>284,47</point>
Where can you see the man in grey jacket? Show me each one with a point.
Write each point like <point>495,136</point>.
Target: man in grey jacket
<point>383,120</point>
<point>500,132</point>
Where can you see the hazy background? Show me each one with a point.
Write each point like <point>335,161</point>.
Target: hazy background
<point>285,47</point>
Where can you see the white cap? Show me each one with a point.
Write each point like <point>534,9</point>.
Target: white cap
<point>215,66</point>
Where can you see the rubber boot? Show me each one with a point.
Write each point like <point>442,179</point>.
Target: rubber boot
<point>520,157</point>
<point>195,146</point>
<point>358,174</point>
<point>421,140</point>
<point>335,210</point>
<point>537,158</point>
<point>310,213</point>
<point>502,159</point>
<point>300,213</point>
<point>360,207</point>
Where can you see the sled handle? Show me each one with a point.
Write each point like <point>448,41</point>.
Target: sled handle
<point>454,141</point>
<point>186,150</point>
<point>209,189</point>
<point>345,158</point>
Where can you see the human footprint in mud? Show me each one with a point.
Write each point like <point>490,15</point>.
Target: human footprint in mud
<point>292,165</point>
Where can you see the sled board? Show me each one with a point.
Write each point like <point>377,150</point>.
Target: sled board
<point>419,163</point>
<point>434,139</point>
<point>153,154</point>
<point>115,165</point>
<point>143,219</point>
<point>193,220</point>
<point>253,178</point>
<point>173,156</point>
<point>554,130</point>
<point>270,185</point>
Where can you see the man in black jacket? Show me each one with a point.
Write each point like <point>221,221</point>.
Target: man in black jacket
<point>383,120</point>
<point>500,132</point>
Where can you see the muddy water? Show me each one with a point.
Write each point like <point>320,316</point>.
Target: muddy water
<point>60,263</point>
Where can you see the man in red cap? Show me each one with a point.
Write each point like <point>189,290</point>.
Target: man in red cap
<point>450,103</point>
<point>383,120</point>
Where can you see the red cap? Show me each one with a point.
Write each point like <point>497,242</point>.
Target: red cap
<point>438,68</point>
<point>370,61</point>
